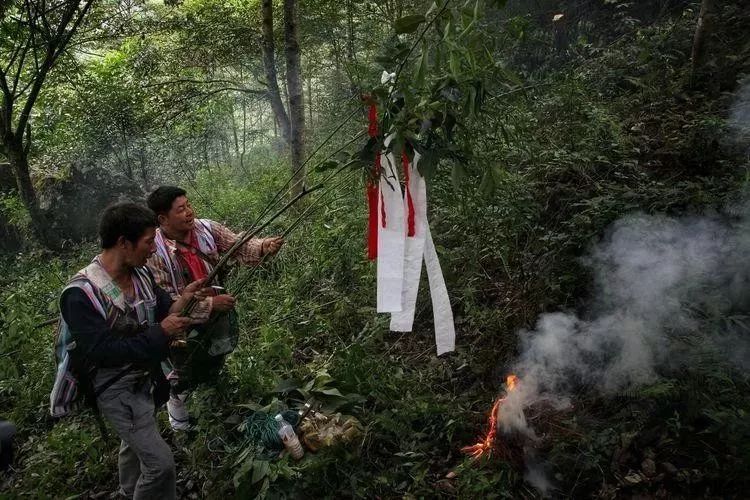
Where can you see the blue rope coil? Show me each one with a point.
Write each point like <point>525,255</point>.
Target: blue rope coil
<point>263,429</point>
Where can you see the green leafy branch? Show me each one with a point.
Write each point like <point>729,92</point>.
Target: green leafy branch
<point>439,82</point>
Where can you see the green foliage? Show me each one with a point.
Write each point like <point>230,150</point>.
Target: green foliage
<point>531,153</point>
<point>66,456</point>
<point>408,24</point>
<point>439,81</point>
<point>12,209</point>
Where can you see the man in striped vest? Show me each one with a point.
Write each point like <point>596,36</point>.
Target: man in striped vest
<point>115,330</point>
<point>187,248</point>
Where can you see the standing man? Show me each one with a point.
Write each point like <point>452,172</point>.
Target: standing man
<point>120,323</point>
<point>186,250</point>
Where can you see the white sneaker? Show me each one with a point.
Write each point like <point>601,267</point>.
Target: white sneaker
<point>179,418</point>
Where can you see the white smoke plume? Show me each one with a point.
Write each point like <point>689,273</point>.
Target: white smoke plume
<point>656,279</point>
<point>668,292</point>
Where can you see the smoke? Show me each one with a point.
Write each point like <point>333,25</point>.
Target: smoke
<point>536,476</point>
<point>659,283</point>
<point>667,293</point>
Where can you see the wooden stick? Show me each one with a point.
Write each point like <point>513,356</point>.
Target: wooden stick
<point>246,236</point>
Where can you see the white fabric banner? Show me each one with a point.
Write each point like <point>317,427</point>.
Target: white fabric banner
<point>445,330</point>
<point>415,249</point>
<point>403,321</point>
<point>391,238</point>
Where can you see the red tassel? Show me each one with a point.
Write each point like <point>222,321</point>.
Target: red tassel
<point>373,191</point>
<point>409,202</point>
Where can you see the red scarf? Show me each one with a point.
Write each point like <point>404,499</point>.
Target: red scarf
<point>192,262</point>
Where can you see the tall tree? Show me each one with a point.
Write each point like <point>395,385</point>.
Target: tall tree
<point>700,39</point>
<point>269,66</point>
<point>36,34</point>
<point>296,97</point>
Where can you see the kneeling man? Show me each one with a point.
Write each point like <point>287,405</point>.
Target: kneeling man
<point>187,248</point>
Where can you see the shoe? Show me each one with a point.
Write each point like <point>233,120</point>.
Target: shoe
<point>177,410</point>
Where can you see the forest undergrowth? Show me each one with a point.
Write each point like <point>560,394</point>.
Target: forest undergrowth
<point>556,165</point>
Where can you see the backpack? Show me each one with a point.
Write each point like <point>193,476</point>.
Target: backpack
<point>74,375</point>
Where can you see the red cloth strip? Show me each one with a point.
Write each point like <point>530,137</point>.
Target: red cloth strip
<point>409,202</point>
<point>373,190</point>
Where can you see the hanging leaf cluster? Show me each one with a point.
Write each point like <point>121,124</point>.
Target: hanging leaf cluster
<point>434,71</point>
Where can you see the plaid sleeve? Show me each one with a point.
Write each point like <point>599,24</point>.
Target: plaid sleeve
<point>158,268</point>
<point>250,253</point>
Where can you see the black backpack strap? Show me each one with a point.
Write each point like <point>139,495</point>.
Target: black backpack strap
<point>106,385</point>
<point>197,251</point>
<point>95,394</point>
<point>101,425</point>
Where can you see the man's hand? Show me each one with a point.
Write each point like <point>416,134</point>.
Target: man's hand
<point>193,290</point>
<point>271,246</point>
<point>175,324</point>
<point>223,302</point>
<point>196,290</point>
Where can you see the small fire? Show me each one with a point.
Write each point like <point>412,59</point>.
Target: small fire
<point>511,382</point>
<point>485,445</point>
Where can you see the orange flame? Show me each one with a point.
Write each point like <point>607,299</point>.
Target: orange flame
<point>485,445</point>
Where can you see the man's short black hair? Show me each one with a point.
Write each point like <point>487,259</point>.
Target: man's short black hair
<point>129,220</point>
<point>161,199</point>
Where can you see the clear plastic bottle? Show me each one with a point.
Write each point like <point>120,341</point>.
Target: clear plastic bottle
<point>289,438</point>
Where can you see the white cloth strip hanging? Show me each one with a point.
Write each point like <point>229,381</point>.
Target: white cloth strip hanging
<point>391,236</point>
<point>416,248</point>
<point>445,330</point>
<point>403,321</point>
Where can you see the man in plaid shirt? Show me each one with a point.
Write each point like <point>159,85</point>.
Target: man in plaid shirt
<point>187,248</point>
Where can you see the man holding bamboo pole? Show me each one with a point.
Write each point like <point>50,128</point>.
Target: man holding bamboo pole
<point>187,249</point>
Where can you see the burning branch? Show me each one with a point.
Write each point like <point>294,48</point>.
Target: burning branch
<point>485,445</point>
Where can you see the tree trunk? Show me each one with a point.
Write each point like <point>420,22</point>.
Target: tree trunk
<point>39,224</point>
<point>269,65</point>
<point>235,138</point>
<point>60,25</point>
<point>700,40</point>
<point>204,148</point>
<point>128,165</point>
<point>244,134</point>
<point>350,31</point>
<point>351,54</point>
<point>296,96</point>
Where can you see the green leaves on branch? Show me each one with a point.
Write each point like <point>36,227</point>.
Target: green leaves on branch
<point>494,176</point>
<point>320,386</point>
<point>393,52</point>
<point>440,83</point>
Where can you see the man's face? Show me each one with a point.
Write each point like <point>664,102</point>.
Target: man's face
<point>180,217</point>
<point>137,253</point>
